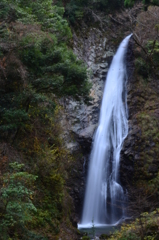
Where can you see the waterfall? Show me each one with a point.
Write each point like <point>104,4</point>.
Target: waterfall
<point>104,196</point>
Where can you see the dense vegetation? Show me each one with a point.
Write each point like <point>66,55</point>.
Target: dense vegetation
<point>75,10</point>
<point>130,3</point>
<point>37,66</point>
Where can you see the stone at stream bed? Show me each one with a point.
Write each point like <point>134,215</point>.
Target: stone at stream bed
<point>103,65</point>
<point>87,132</point>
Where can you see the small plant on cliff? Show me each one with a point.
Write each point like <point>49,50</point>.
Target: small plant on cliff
<point>16,203</point>
<point>85,238</point>
<point>128,3</point>
<point>93,229</point>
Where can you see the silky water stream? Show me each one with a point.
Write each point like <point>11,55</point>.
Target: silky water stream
<point>105,199</point>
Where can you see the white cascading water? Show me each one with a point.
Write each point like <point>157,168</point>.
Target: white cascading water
<point>104,197</point>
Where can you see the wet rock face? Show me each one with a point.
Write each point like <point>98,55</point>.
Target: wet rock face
<point>79,120</point>
<point>127,155</point>
<point>93,49</point>
<point>139,166</point>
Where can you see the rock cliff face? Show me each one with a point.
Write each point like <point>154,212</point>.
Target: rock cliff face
<point>140,153</point>
<point>80,120</point>
<point>96,53</point>
<point>96,47</point>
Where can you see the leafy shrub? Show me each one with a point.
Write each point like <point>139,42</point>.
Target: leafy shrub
<point>85,238</point>
<point>39,64</point>
<point>16,200</point>
<point>141,67</point>
<point>104,236</point>
<point>129,3</point>
<point>77,10</point>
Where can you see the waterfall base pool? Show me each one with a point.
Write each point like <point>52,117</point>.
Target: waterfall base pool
<point>98,231</point>
<point>98,225</point>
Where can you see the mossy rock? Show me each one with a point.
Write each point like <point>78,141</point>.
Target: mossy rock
<point>104,236</point>
<point>141,67</point>
<point>85,238</point>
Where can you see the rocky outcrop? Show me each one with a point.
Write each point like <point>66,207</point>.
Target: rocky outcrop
<point>139,164</point>
<point>82,119</point>
<point>79,120</point>
<point>140,155</point>
<point>96,47</point>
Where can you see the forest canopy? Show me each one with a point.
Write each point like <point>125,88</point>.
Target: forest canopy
<point>36,61</point>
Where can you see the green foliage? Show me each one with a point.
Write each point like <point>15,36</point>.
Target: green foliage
<point>145,227</point>
<point>42,12</point>
<point>154,185</point>
<point>50,187</point>
<point>115,4</point>
<point>47,159</point>
<point>17,208</point>
<point>153,50</point>
<point>104,236</point>
<point>77,10</point>
<point>4,10</point>
<point>154,2</point>
<point>129,3</point>
<point>37,64</point>
<point>129,236</point>
<point>13,118</point>
<point>148,46</point>
<point>85,238</point>
<point>37,67</point>
<point>141,67</point>
<point>53,68</point>
<point>93,229</point>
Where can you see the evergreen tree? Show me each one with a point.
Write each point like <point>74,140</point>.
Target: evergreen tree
<point>37,63</point>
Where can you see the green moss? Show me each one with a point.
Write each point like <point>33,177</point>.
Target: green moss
<point>141,67</point>
<point>85,238</point>
<point>145,227</point>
